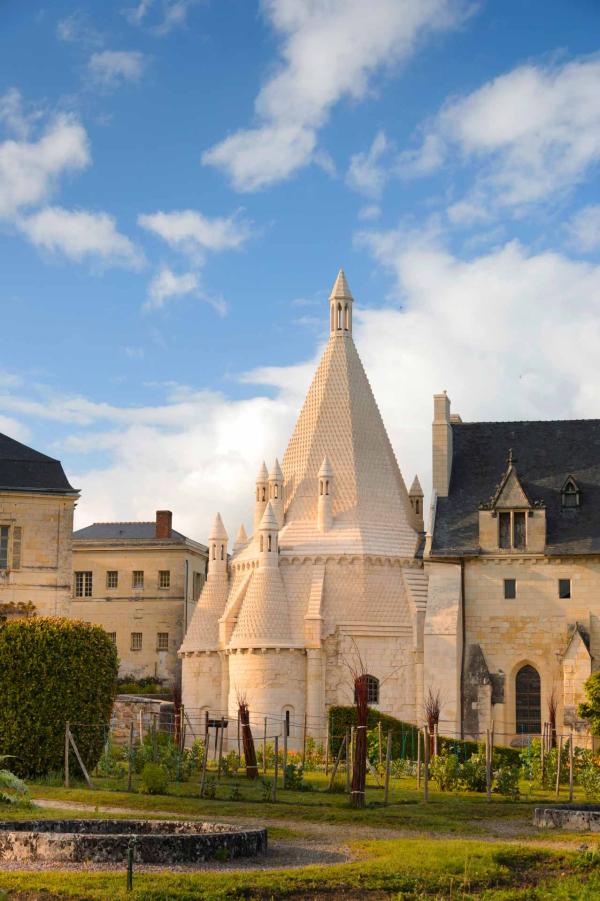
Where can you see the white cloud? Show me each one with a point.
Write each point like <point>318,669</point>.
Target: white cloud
<point>584,229</point>
<point>13,115</point>
<point>80,234</point>
<point>330,50</point>
<point>167,284</point>
<point>29,170</point>
<point>173,14</point>
<point>76,28</point>
<point>365,173</point>
<point>195,234</point>
<point>109,68</point>
<point>533,131</point>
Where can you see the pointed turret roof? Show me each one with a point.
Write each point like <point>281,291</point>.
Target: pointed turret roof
<point>341,289</point>
<point>415,488</point>
<point>276,474</point>
<point>269,520</point>
<point>218,530</point>
<point>340,419</point>
<point>263,473</point>
<point>241,540</point>
<point>326,470</point>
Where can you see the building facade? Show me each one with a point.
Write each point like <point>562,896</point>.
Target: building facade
<point>332,572</point>
<point>140,581</point>
<point>36,525</point>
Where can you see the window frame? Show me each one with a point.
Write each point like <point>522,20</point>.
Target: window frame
<point>136,641</point>
<point>113,637</point>
<point>84,578</point>
<point>569,590</point>
<point>4,546</point>
<point>512,545</point>
<point>161,643</point>
<point>109,573</point>
<point>507,595</point>
<point>139,584</point>
<point>167,581</point>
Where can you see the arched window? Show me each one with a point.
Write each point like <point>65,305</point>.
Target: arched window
<point>264,493</point>
<point>332,317</point>
<point>372,690</point>
<point>257,493</point>
<point>287,722</point>
<point>214,551</point>
<point>339,316</point>
<point>222,552</point>
<point>570,495</point>
<point>270,546</point>
<point>261,542</point>
<point>347,317</point>
<point>321,486</point>
<point>528,701</point>
<point>326,486</point>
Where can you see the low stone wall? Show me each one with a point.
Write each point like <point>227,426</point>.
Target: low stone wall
<point>143,712</point>
<point>571,817</point>
<point>107,841</point>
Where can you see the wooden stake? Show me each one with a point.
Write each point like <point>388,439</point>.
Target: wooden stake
<point>204,765</point>
<point>67,785</point>
<point>327,747</point>
<point>221,747</point>
<point>265,747</point>
<point>560,742</point>
<point>79,760</point>
<point>206,718</point>
<point>426,764</point>
<point>337,763</point>
<point>388,762</point>
<point>380,743</point>
<point>130,758</point>
<point>352,747</point>
<point>488,767</point>
<point>571,766</point>
<point>348,755</point>
<point>181,728</point>
<point>285,750</point>
<point>435,739</point>
<point>274,794</point>
<point>141,719</point>
<point>418,758</point>
<point>304,744</point>
<point>543,751</point>
<point>239,738</point>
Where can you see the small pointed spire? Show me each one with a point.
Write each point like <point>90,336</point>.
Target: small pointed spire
<point>276,474</point>
<point>415,488</point>
<point>218,533</point>
<point>241,540</point>
<point>263,473</point>
<point>341,289</point>
<point>326,470</point>
<point>269,520</point>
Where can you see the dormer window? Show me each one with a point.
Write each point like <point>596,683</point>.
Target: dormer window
<point>570,495</point>
<point>512,530</point>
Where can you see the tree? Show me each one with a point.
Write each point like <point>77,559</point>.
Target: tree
<point>590,709</point>
<point>54,671</point>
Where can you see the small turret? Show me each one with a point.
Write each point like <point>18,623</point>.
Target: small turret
<point>241,540</point>
<point>217,544</point>
<point>262,495</point>
<point>416,501</point>
<point>276,491</point>
<point>325,504</point>
<point>340,307</point>
<point>268,549</point>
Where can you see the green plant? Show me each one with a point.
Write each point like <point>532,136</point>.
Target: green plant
<point>230,764</point>
<point>590,709</point>
<point>294,777</point>
<point>473,773</point>
<point>267,789</point>
<point>12,789</point>
<point>154,779</point>
<point>589,779</point>
<point>210,788</point>
<point>54,671</point>
<point>235,793</point>
<point>445,770</point>
<point>506,782</point>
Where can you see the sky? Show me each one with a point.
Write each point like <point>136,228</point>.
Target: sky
<point>180,181</point>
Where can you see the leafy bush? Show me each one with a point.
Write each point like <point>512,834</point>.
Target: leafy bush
<point>589,779</point>
<point>294,777</point>
<point>235,794</point>
<point>445,770</point>
<point>210,788</point>
<point>52,671</point>
<point>267,789</point>
<point>12,789</point>
<point>129,685</point>
<point>473,773</point>
<point>154,779</point>
<point>506,782</point>
<point>159,747</point>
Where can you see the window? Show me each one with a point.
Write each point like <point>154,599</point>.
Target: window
<point>512,530</point>
<point>287,722</point>
<point>136,641</point>
<point>570,495</point>
<point>528,701</point>
<point>4,530</point>
<point>372,690</point>
<point>83,584</point>
<point>164,578</point>
<point>270,541</point>
<point>112,636</point>
<point>564,588</point>
<point>17,542</point>
<point>510,589</point>
<point>138,578</point>
<point>162,641</point>
<point>112,578</point>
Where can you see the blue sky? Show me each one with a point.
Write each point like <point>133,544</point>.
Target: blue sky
<point>180,181</point>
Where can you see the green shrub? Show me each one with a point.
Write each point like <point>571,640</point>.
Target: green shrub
<point>294,777</point>
<point>52,671</point>
<point>473,773</point>
<point>154,779</point>
<point>12,789</point>
<point>235,794</point>
<point>506,782</point>
<point>445,770</point>
<point>210,788</point>
<point>589,779</point>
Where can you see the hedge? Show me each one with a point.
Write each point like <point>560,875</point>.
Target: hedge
<point>404,736</point>
<point>52,671</point>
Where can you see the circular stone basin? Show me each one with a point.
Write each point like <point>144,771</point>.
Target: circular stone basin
<point>572,817</point>
<point>106,841</point>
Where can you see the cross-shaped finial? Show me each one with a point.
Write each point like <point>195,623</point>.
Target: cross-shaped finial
<point>511,460</point>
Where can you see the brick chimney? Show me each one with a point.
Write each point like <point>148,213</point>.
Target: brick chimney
<point>164,520</point>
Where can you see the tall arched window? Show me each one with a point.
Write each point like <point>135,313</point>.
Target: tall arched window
<point>214,551</point>
<point>339,317</point>
<point>528,701</point>
<point>327,486</point>
<point>270,547</point>
<point>264,493</point>
<point>372,690</point>
<point>261,542</point>
<point>222,552</point>
<point>346,318</point>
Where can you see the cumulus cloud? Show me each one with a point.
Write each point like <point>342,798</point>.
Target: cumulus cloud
<point>330,50</point>
<point>110,68</point>
<point>167,284</point>
<point>30,170</point>
<point>195,234</point>
<point>584,229</point>
<point>365,173</point>
<point>15,118</point>
<point>79,235</point>
<point>533,132</point>
<point>173,14</point>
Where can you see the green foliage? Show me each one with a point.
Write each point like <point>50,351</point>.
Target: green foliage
<point>589,779</point>
<point>445,770</point>
<point>129,685</point>
<point>267,789</point>
<point>210,788</point>
<point>473,773</point>
<point>52,671</point>
<point>590,709</point>
<point>506,782</point>
<point>159,747</point>
<point>12,789</point>
<point>294,777</point>
<point>234,793</point>
<point>230,764</point>
<point>155,779</point>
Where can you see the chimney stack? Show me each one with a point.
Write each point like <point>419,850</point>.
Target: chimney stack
<point>164,520</point>
<point>442,444</point>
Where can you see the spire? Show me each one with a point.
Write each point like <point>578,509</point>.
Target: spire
<point>267,539</point>
<point>263,474</point>
<point>217,540</point>
<point>269,521</point>
<point>241,540</point>
<point>262,494</point>
<point>415,488</point>
<point>340,307</point>
<point>326,470</point>
<point>276,491</point>
<point>218,532</point>
<point>276,474</point>
<point>416,501</point>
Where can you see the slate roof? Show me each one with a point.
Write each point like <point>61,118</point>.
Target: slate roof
<point>125,531</point>
<point>545,454</point>
<point>24,469</point>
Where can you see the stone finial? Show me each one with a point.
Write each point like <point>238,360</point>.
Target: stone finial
<point>340,307</point>
<point>269,520</point>
<point>241,540</point>
<point>276,474</point>
<point>341,289</point>
<point>326,470</point>
<point>263,473</point>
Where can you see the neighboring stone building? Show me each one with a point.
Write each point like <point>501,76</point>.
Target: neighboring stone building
<point>140,582</point>
<point>513,562</point>
<point>36,523</point>
<point>331,570</point>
